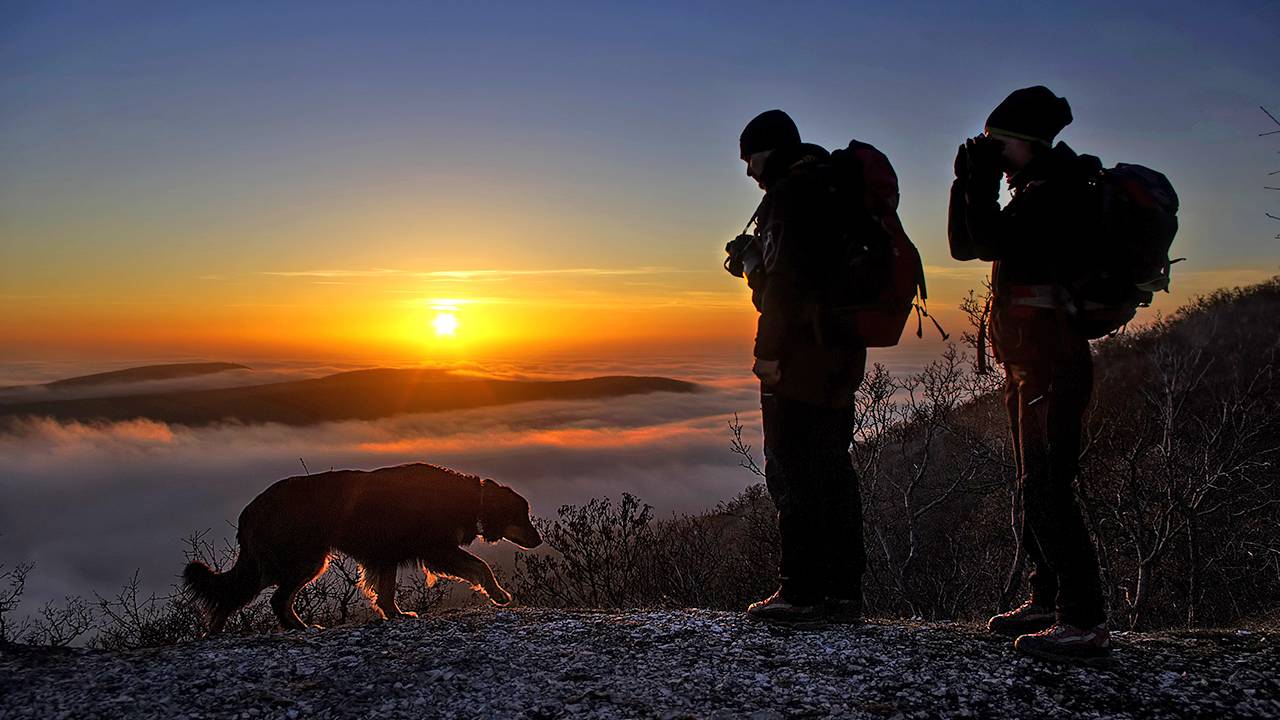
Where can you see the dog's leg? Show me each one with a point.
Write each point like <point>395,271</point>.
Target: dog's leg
<point>218,621</point>
<point>282,605</point>
<point>385,579</point>
<point>290,583</point>
<point>463,565</point>
<point>370,581</point>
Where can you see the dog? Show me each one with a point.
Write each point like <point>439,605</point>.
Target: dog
<point>417,515</point>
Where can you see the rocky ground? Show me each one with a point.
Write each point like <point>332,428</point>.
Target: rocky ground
<point>664,664</point>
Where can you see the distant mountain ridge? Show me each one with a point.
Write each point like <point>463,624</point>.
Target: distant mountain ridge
<point>354,395</point>
<point>148,373</point>
<point>141,374</point>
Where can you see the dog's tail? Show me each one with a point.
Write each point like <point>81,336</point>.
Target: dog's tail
<point>224,593</point>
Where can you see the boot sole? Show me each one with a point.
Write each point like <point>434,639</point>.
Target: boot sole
<point>1015,634</point>
<point>845,620</point>
<point>1098,661</point>
<point>805,624</point>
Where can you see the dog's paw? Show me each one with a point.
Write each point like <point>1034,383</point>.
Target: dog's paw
<point>406,614</point>
<point>499,597</point>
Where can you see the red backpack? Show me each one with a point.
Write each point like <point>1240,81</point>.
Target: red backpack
<point>883,274</point>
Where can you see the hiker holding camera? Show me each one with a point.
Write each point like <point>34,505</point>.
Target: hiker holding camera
<point>832,272</point>
<point>807,382</point>
<point>1043,244</point>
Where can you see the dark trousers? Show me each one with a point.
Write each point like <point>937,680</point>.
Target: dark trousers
<point>811,479</point>
<point>1047,389</point>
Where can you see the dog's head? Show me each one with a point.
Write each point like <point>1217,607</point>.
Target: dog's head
<point>506,515</point>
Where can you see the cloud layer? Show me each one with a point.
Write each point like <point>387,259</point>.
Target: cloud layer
<point>90,503</point>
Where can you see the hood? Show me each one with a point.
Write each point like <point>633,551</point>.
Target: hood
<point>782,160</point>
<point>1060,159</point>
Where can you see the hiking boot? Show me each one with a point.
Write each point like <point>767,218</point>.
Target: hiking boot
<point>1067,643</point>
<point>777,609</point>
<point>1027,618</point>
<point>843,611</point>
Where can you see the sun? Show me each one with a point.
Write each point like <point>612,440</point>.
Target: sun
<point>445,323</point>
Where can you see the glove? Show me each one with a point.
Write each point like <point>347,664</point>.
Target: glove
<point>769,371</point>
<point>985,156</point>
<point>962,162</point>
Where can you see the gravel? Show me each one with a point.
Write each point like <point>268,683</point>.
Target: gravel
<point>530,663</point>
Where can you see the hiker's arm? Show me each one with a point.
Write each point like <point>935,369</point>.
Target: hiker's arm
<point>962,246</point>
<point>976,191</point>
<point>986,232</point>
<point>780,300</point>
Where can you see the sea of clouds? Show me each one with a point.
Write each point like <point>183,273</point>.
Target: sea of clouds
<point>91,503</point>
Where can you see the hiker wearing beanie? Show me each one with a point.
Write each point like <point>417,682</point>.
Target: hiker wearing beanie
<point>1040,243</point>
<point>807,381</point>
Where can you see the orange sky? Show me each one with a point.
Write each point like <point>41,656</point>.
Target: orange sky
<point>390,315</point>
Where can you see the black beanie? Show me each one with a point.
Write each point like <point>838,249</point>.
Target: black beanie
<point>1033,113</point>
<point>769,130</point>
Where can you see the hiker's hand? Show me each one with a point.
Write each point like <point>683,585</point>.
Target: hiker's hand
<point>985,155</point>
<point>769,371</point>
<point>962,162</point>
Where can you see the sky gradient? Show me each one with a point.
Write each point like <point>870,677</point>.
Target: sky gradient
<point>246,179</point>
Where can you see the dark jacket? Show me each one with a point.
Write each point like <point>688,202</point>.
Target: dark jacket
<point>802,237</point>
<point>1045,236</point>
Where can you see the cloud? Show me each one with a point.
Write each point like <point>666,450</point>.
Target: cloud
<point>466,275</point>
<point>90,503</point>
<point>375,272</point>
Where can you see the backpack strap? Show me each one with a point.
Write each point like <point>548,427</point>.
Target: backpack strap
<point>1048,297</point>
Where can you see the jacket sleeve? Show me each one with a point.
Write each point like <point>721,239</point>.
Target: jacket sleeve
<point>977,228</point>
<point>1030,228</point>
<point>780,300</point>
<point>962,246</point>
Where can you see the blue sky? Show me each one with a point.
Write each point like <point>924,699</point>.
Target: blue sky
<point>170,140</point>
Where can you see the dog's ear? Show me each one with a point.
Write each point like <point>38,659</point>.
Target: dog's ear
<point>501,505</point>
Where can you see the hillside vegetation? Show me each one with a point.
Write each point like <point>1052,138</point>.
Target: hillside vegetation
<point>1179,480</point>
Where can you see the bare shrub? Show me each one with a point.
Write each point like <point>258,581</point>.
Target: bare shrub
<point>1182,471</point>
<point>611,555</point>
<point>603,558</point>
<point>13,581</point>
<point>60,625</point>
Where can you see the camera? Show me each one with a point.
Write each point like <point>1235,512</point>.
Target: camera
<point>745,260</point>
<point>988,144</point>
<point>985,152</point>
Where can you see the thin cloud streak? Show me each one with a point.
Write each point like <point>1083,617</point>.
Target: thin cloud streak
<point>485,274</point>
<point>567,438</point>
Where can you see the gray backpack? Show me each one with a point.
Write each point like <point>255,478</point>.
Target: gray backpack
<point>1138,220</point>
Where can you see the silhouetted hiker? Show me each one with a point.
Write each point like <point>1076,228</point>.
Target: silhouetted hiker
<point>807,377</point>
<point>1041,243</point>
